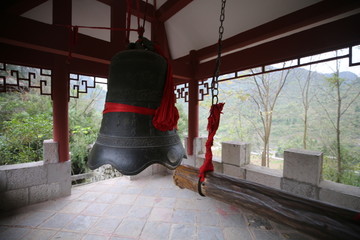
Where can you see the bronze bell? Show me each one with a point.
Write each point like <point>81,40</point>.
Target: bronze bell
<point>128,140</point>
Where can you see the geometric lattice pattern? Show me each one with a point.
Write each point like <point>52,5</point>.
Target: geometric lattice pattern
<point>82,84</point>
<point>182,90</point>
<point>18,78</point>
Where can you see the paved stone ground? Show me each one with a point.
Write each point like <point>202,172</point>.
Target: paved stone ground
<point>147,208</point>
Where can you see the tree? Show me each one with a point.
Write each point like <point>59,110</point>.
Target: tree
<point>306,98</point>
<point>264,96</point>
<point>84,124</point>
<point>340,97</point>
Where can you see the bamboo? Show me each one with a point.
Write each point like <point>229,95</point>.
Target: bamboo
<point>319,219</point>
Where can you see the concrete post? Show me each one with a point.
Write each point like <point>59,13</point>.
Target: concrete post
<point>302,172</point>
<point>50,152</point>
<point>234,155</point>
<point>198,146</point>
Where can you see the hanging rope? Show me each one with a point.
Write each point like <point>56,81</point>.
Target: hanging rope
<point>216,107</point>
<point>141,28</point>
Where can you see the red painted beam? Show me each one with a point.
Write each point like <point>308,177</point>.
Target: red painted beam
<point>53,37</point>
<point>41,59</point>
<point>331,36</point>
<point>118,20</point>
<point>150,10</point>
<point>146,10</point>
<point>298,19</point>
<point>159,37</point>
<point>181,72</point>
<point>18,7</point>
<point>193,109</point>
<point>170,8</point>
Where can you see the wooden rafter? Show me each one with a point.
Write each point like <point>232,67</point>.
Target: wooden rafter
<point>18,7</point>
<point>298,19</point>
<point>170,8</point>
<point>344,32</point>
<point>53,37</point>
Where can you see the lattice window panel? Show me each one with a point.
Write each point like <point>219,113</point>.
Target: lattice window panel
<point>80,84</point>
<point>22,78</point>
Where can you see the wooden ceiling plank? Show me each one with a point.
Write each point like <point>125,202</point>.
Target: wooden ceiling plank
<point>170,8</point>
<point>298,19</point>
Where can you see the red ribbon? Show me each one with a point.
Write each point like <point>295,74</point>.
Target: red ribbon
<point>213,125</point>
<point>118,107</point>
<point>167,115</point>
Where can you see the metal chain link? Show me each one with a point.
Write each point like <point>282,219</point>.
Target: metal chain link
<point>215,82</point>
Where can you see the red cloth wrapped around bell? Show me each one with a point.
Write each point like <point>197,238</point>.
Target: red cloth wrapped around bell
<point>128,139</point>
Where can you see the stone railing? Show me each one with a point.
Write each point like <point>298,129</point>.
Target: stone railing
<point>301,174</point>
<point>33,182</point>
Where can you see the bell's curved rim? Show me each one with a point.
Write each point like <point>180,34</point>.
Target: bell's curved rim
<point>138,170</point>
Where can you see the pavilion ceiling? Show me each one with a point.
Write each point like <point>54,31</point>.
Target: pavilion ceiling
<point>256,32</point>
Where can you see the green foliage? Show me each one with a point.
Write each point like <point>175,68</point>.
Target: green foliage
<point>335,80</point>
<point>81,139</point>
<point>26,121</point>
<point>182,122</point>
<point>240,121</point>
<point>84,126</point>
<point>351,173</point>
<point>24,127</point>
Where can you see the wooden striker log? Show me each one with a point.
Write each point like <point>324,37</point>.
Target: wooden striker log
<point>321,220</point>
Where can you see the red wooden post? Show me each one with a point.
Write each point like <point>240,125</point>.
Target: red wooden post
<point>158,36</point>
<point>193,124</point>
<point>60,85</point>
<point>118,20</point>
<point>60,97</point>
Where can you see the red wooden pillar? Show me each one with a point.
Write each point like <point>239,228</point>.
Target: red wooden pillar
<point>193,109</point>
<point>60,85</point>
<point>60,97</point>
<point>159,37</point>
<point>118,20</point>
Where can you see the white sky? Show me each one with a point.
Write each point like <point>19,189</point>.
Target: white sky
<point>330,67</point>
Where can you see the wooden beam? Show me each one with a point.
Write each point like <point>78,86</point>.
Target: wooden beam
<point>41,59</point>
<point>331,36</point>
<point>118,20</point>
<point>303,17</point>
<point>319,219</point>
<point>145,9</point>
<point>170,8</point>
<point>181,72</point>
<point>159,37</point>
<point>19,7</point>
<point>54,37</point>
<point>62,12</point>
<point>150,10</point>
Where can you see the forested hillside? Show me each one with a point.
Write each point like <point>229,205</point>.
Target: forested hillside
<point>241,119</point>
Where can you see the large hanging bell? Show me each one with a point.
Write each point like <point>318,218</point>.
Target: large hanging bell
<point>127,139</point>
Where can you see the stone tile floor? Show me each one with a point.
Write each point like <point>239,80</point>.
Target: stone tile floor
<point>148,208</point>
